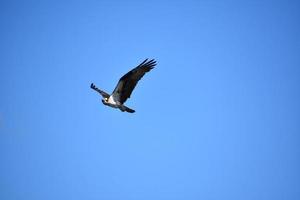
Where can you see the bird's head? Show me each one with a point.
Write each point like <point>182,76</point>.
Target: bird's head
<point>105,100</point>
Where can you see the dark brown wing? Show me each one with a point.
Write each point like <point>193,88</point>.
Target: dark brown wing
<point>128,82</point>
<point>103,94</point>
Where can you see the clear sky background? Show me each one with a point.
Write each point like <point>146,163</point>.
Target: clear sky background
<point>217,119</point>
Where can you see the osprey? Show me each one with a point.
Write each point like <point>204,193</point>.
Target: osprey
<point>125,86</point>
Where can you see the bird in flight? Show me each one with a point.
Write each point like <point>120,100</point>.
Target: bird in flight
<point>125,86</point>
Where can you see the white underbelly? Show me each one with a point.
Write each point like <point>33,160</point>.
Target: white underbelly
<point>111,100</point>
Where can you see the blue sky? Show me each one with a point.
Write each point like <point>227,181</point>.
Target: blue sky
<point>218,118</point>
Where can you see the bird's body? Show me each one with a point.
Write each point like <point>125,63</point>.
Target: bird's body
<point>111,100</point>
<point>125,86</point>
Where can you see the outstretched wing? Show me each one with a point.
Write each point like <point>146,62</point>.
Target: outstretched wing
<point>128,82</point>
<point>104,94</point>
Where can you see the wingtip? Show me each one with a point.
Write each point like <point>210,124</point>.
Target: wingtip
<point>152,63</point>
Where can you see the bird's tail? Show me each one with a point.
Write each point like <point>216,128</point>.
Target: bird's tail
<point>125,108</point>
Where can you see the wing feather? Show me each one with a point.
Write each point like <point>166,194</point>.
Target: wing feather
<point>103,94</point>
<point>128,82</point>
